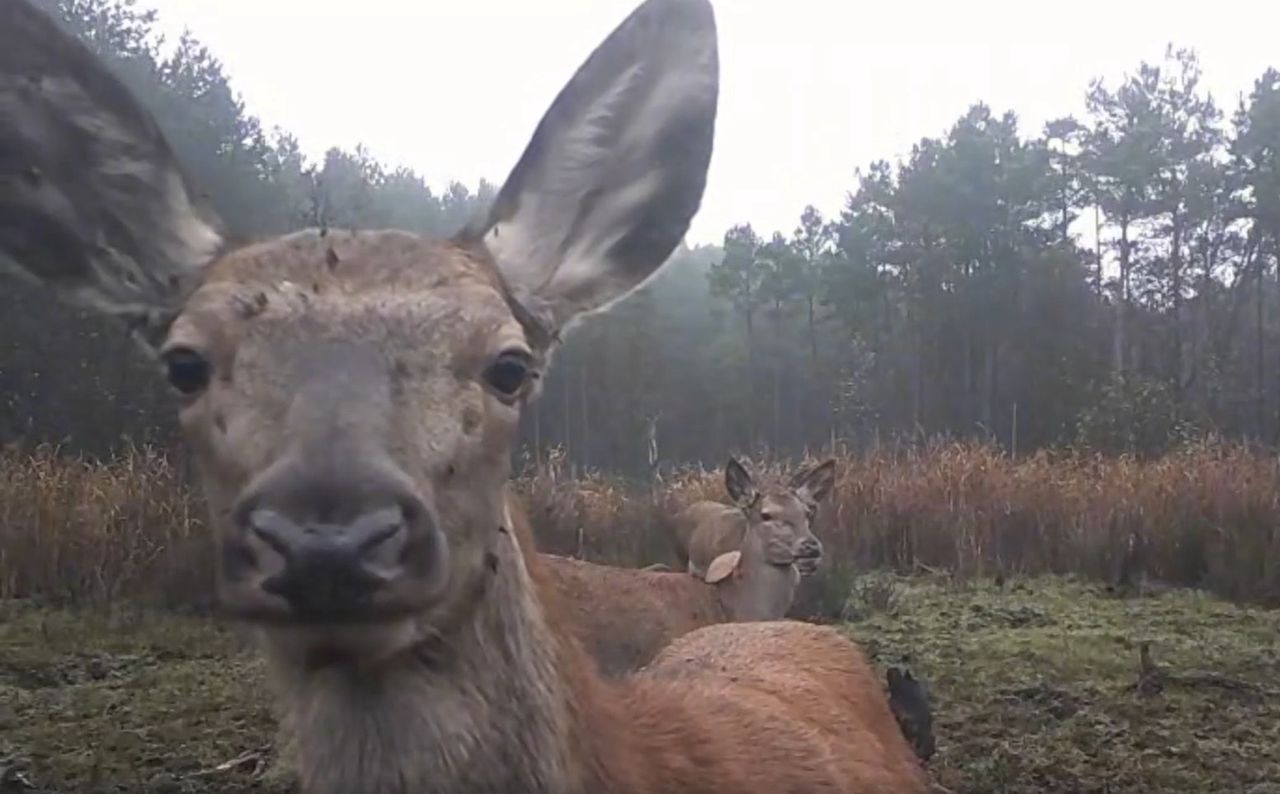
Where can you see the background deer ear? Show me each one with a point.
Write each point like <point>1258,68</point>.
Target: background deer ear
<point>739,484</point>
<point>92,199</point>
<point>616,169</point>
<point>815,484</point>
<point>722,567</point>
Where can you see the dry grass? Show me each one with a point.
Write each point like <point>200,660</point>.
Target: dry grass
<point>78,531</point>
<point>1208,515</point>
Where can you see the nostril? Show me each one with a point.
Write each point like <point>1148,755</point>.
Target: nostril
<point>373,529</point>
<point>276,531</point>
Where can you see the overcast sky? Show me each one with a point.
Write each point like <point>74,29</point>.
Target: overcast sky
<point>811,89</point>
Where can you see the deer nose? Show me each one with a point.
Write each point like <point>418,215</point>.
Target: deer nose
<point>808,554</point>
<point>330,568</point>
<point>809,548</point>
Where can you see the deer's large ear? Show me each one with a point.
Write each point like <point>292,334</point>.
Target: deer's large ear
<point>615,170</point>
<point>92,200</point>
<point>815,484</point>
<point>722,567</point>
<point>739,483</point>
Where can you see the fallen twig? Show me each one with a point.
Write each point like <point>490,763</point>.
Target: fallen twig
<point>1152,679</point>
<point>255,760</point>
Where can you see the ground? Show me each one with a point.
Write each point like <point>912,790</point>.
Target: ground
<point>1034,687</point>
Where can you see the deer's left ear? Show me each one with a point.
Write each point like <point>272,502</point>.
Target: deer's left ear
<point>722,567</point>
<point>616,169</point>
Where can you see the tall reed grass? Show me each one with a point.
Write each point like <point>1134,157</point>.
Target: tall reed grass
<point>73,530</point>
<point>1206,515</point>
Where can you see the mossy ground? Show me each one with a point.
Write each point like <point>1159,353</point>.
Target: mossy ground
<point>127,702</point>
<point>1033,687</point>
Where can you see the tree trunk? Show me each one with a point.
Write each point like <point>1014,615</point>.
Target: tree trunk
<point>1259,366</point>
<point>816,386</point>
<point>777,376</point>
<point>567,432</point>
<point>584,409</point>
<point>751,367</point>
<point>813,334</point>
<point>1175,266</point>
<point>1097,243</point>
<point>992,375</point>
<point>1121,340</point>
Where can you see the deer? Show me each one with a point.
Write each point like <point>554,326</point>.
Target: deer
<point>706,529</point>
<point>350,399</point>
<point>624,616</point>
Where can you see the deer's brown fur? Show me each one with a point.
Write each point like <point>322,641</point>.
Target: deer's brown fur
<point>762,706</point>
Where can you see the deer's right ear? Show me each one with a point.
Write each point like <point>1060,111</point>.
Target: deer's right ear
<point>738,482</point>
<point>92,199</point>
<point>616,169</point>
<point>722,567</point>
<point>815,484</point>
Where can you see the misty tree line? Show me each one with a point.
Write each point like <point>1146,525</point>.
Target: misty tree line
<point>1110,281</point>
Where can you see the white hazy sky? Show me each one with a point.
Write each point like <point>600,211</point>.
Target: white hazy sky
<point>811,89</point>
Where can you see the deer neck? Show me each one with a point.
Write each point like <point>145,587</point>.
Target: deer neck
<point>758,589</point>
<point>485,708</point>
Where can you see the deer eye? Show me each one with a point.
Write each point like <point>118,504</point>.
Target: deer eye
<point>766,516</point>
<point>188,370</point>
<point>508,373</point>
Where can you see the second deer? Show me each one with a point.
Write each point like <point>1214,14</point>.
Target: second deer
<point>624,616</point>
<point>704,530</point>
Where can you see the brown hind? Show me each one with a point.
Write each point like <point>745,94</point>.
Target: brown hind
<point>704,530</point>
<point>624,616</point>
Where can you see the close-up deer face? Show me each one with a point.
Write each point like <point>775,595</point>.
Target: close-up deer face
<point>352,396</point>
<point>352,414</point>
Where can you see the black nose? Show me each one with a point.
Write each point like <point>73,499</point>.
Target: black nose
<point>331,568</point>
<point>809,547</point>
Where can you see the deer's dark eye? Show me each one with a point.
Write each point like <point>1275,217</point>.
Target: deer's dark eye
<point>188,371</point>
<point>508,373</point>
<point>766,516</point>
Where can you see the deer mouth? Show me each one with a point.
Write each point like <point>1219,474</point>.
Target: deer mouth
<point>808,555</point>
<point>808,565</point>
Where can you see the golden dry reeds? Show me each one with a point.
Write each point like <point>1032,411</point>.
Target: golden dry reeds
<point>1206,515</point>
<point>74,530</point>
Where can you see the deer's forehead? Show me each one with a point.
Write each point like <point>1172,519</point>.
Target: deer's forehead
<point>783,504</point>
<point>412,299</point>
<point>452,323</point>
<point>353,261</point>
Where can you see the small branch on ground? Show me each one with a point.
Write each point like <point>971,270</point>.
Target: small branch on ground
<point>255,762</point>
<point>1152,680</point>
